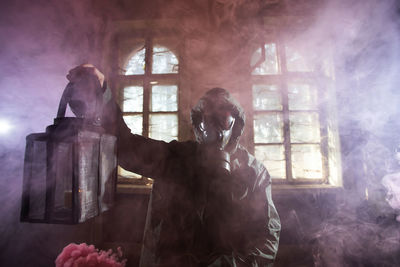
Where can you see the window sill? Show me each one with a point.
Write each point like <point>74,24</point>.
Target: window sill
<point>137,189</point>
<point>306,188</point>
<point>276,188</point>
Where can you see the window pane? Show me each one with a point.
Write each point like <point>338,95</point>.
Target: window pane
<point>273,157</point>
<point>164,61</point>
<point>268,128</point>
<point>133,99</point>
<point>295,61</point>
<point>302,96</point>
<point>164,98</point>
<point>306,161</point>
<point>304,127</point>
<point>136,63</point>
<point>127,174</point>
<point>135,123</point>
<point>164,127</point>
<point>333,154</point>
<point>266,97</point>
<point>269,65</point>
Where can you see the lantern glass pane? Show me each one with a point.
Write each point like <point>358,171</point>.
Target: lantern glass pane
<point>88,166</point>
<point>63,178</point>
<point>37,179</point>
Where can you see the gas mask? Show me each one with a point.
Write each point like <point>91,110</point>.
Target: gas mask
<point>214,133</point>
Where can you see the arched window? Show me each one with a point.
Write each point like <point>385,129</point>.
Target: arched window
<point>291,136</point>
<point>149,95</point>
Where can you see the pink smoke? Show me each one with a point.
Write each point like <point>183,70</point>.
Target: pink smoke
<point>82,255</point>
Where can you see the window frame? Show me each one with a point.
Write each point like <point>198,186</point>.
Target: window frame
<point>282,79</point>
<point>146,81</point>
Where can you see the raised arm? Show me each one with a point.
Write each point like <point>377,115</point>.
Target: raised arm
<point>136,153</point>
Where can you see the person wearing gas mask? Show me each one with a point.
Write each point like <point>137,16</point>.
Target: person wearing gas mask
<point>211,201</point>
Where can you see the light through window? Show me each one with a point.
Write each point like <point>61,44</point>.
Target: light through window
<point>150,94</point>
<point>290,135</point>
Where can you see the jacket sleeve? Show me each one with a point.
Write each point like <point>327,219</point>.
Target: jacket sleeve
<point>136,153</point>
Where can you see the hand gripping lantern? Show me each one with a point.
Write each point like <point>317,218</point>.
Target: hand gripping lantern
<point>70,170</point>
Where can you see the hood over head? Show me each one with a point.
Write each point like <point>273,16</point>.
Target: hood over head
<point>220,98</point>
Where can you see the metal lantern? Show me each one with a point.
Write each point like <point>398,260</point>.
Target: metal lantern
<point>70,170</point>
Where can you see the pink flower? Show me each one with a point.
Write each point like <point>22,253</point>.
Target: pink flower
<point>82,255</point>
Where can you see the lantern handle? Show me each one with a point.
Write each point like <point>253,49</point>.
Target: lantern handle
<point>95,117</point>
<point>99,106</point>
<point>66,96</point>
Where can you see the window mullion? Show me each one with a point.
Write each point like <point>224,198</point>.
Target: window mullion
<point>323,131</point>
<point>147,85</point>
<point>285,110</point>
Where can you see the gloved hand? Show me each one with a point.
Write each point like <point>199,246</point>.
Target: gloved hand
<point>85,91</point>
<point>85,70</point>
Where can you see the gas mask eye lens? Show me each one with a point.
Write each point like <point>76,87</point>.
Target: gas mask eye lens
<point>201,126</point>
<point>231,121</point>
<point>228,122</point>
